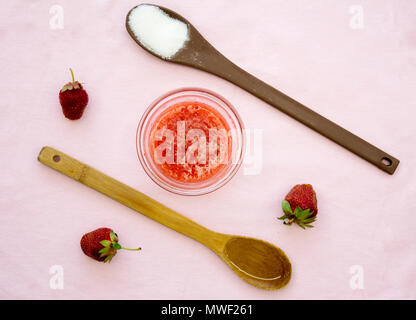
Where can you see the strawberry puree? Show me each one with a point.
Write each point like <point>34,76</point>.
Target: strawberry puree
<point>186,163</point>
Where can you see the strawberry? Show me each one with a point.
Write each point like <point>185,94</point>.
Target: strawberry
<point>300,206</point>
<point>73,99</point>
<point>101,244</point>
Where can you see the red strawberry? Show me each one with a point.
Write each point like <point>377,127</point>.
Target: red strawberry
<point>300,206</point>
<point>101,244</point>
<point>73,99</point>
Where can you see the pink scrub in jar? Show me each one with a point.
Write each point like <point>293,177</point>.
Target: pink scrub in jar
<point>190,141</point>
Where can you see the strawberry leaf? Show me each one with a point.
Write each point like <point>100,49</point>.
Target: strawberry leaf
<point>104,250</point>
<point>303,214</point>
<point>105,243</point>
<point>286,208</point>
<point>113,236</point>
<point>103,254</point>
<point>298,212</point>
<point>301,225</point>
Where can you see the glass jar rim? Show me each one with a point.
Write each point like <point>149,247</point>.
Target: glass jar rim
<point>190,188</point>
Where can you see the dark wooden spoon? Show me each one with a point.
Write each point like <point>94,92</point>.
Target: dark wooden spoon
<point>199,53</point>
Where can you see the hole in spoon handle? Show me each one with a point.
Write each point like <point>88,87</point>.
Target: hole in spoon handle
<point>386,161</point>
<point>61,162</point>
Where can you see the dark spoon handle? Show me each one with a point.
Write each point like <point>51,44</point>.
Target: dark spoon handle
<point>212,61</point>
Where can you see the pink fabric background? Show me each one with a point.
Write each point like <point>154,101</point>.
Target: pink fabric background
<point>363,79</point>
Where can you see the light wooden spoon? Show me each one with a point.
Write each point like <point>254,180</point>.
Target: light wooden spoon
<point>259,263</point>
<point>199,53</point>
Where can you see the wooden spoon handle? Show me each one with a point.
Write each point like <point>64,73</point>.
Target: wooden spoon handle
<point>212,61</point>
<point>129,197</point>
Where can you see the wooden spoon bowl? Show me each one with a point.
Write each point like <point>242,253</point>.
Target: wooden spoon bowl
<point>260,263</point>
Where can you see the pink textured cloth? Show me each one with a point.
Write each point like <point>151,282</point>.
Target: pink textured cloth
<point>354,65</point>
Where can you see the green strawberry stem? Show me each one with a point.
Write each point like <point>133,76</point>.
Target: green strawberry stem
<point>137,249</point>
<point>72,75</point>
